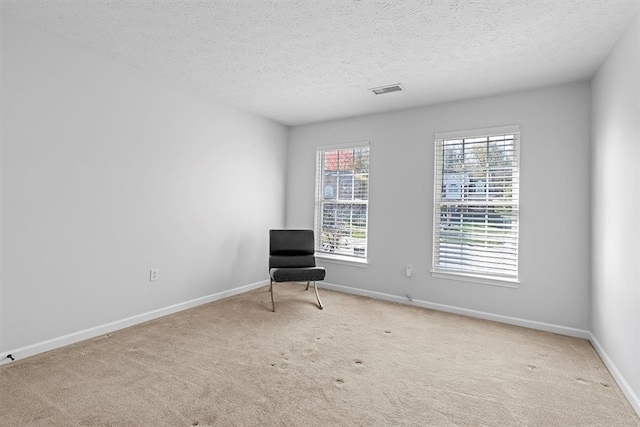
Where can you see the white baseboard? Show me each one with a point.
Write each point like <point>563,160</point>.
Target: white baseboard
<point>41,347</point>
<point>531,324</point>
<point>631,396</point>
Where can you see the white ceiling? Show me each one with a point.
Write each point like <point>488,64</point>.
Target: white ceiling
<point>305,61</point>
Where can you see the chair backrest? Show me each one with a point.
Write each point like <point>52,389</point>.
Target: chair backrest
<point>291,249</point>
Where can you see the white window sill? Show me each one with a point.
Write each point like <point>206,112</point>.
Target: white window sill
<point>341,259</point>
<point>483,280</point>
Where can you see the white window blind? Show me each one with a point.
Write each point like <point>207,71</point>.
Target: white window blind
<point>342,200</point>
<point>476,196</point>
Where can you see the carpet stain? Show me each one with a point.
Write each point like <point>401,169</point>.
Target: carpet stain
<point>358,362</point>
<point>532,367</point>
<point>339,381</point>
<point>605,385</point>
<point>581,381</point>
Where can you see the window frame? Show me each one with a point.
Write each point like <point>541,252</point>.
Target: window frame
<point>470,275</point>
<point>320,200</point>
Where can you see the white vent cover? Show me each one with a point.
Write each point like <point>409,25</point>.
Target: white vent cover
<point>387,89</point>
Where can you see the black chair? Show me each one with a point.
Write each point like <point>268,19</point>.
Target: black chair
<point>292,259</point>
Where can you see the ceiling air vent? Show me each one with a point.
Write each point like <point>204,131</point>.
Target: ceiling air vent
<point>387,89</point>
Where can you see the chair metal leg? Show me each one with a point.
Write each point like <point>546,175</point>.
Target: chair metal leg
<point>307,286</point>
<point>315,287</point>
<point>273,304</point>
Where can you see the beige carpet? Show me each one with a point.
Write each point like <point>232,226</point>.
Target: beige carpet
<point>358,362</point>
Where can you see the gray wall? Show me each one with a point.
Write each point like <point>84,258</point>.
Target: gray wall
<point>554,215</point>
<point>616,208</point>
<point>108,172</point>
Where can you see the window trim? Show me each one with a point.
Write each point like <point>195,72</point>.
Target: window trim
<point>502,282</point>
<point>342,259</point>
<point>471,276</point>
<point>332,257</point>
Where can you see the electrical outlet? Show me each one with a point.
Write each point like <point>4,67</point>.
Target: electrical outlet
<point>153,274</point>
<point>409,270</point>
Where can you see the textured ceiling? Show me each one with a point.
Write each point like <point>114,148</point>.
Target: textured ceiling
<point>304,61</point>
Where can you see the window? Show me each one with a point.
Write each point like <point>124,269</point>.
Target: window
<point>475,225</point>
<point>342,200</point>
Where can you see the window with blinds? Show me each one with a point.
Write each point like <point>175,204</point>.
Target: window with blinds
<point>475,230</point>
<point>342,200</point>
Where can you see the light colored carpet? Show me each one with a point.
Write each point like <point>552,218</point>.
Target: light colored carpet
<point>357,362</point>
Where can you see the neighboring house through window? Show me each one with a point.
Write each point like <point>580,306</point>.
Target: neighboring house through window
<point>342,201</point>
<point>476,193</point>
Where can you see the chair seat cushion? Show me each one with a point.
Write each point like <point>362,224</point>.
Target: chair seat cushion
<point>305,274</point>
